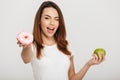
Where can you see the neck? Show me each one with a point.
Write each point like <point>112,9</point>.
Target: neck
<point>48,40</point>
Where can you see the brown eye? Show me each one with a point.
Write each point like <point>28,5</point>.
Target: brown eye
<point>57,19</point>
<point>46,18</point>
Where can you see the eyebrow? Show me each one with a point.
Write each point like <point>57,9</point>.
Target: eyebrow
<point>50,16</point>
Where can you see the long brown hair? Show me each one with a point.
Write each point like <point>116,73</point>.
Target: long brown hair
<point>60,35</point>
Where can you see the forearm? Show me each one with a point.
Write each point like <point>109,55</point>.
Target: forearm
<point>27,53</point>
<point>82,72</point>
<point>93,61</point>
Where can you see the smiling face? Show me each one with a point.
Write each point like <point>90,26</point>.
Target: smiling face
<point>49,22</point>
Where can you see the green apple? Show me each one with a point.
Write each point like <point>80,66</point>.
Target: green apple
<point>100,51</point>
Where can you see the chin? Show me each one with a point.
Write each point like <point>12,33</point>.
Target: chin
<point>50,35</point>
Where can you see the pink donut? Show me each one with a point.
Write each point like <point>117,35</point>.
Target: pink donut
<point>25,38</point>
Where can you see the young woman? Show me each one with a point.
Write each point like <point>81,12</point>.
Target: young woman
<point>49,54</point>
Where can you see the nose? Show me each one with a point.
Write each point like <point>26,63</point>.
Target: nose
<point>52,22</point>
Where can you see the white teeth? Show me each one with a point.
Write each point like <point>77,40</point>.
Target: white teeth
<point>50,28</point>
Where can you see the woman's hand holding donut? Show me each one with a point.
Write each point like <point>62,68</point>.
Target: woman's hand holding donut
<point>24,39</point>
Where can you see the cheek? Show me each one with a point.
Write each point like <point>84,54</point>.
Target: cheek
<point>44,23</point>
<point>57,24</point>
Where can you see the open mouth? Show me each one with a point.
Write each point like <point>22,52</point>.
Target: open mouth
<point>50,29</point>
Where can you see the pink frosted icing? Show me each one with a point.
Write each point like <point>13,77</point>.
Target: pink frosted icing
<point>25,38</point>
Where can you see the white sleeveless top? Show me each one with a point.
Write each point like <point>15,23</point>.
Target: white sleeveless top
<point>53,65</point>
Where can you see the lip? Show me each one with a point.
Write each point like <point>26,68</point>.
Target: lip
<point>50,29</point>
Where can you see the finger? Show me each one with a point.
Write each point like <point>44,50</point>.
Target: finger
<point>103,58</point>
<point>96,57</point>
<point>20,45</point>
<point>17,39</point>
<point>17,42</point>
<point>99,57</point>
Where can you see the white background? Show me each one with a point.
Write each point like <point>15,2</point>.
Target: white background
<point>90,24</point>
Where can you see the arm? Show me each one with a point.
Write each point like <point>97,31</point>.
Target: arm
<point>71,72</point>
<point>25,40</point>
<point>82,72</point>
<point>27,53</point>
